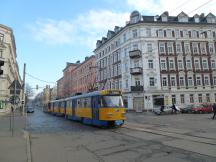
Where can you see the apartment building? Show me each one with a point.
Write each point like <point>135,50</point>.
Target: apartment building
<point>10,68</point>
<point>160,60</point>
<point>78,78</point>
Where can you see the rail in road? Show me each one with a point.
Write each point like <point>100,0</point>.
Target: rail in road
<point>170,133</point>
<point>171,137</point>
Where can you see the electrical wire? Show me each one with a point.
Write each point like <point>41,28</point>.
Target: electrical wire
<point>40,79</point>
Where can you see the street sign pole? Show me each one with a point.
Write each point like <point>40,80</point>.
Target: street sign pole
<point>23,90</point>
<point>13,108</point>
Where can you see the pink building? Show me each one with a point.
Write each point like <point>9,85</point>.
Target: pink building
<point>78,78</point>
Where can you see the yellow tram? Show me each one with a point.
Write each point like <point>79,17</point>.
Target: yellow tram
<point>100,108</point>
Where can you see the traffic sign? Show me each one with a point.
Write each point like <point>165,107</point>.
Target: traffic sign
<point>15,85</point>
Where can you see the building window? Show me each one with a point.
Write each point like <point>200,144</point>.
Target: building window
<point>149,47</point>
<point>194,34</point>
<point>211,48</point>
<point>136,63</point>
<point>197,64</point>
<point>206,80</point>
<point>164,81</point>
<point>152,82</point>
<point>207,97</point>
<point>177,33</point>
<point>173,81</point>
<point>160,33</point>
<point>161,47</point>
<point>126,67</point>
<point>191,98</point>
<point>213,65</point>
<point>150,64</point>
<point>169,33</point>
<point>181,81</point>
<point>195,48</point>
<point>187,48</point>
<point>190,81</point>
<point>180,64</point>
<point>173,99</point>
<point>200,98</point>
<point>134,33</point>
<point>1,38</point>
<point>137,82</point>
<point>1,54</point>
<point>148,32</point>
<point>188,64</point>
<point>198,81</point>
<point>178,48</point>
<point>215,97</point>
<point>204,64</point>
<point>126,83</point>
<point>124,37</point>
<point>135,46</point>
<point>163,64</point>
<point>214,80</point>
<point>170,47</point>
<point>182,99</point>
<point>203,48</point>
<point>171,64</point>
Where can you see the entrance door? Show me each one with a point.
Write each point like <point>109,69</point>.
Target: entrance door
<point>138,104</point>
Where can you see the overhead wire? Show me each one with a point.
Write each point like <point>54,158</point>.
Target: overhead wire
<point>154,49</point>
<point>40,79</point>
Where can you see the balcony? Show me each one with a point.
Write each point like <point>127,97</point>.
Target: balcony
<point>135,54</point>
<point>136,88</point>
<point>136,71</point>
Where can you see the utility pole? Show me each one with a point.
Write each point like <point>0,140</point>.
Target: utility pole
<point>23,91</point>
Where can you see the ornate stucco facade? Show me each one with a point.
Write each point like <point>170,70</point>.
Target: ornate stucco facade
<point>159,60</point>
<point>10,68</point>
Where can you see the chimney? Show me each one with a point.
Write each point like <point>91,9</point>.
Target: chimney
<point>86,58</point>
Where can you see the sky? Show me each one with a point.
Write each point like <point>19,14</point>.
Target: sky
<point>49,33</point>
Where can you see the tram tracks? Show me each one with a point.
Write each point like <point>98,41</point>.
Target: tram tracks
<point>168,133</point>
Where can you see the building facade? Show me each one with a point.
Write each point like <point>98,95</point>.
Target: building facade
<point>160,60</point>
<point>10,68</point>
<point>78,78</point>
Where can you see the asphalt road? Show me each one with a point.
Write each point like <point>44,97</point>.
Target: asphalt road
<point>56,139</point>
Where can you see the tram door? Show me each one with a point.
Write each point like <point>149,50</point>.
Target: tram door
<point>74,105</point>
<point>138,104</point>
<point>95,107</point>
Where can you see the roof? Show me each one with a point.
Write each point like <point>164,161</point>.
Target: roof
<point>157,20</point>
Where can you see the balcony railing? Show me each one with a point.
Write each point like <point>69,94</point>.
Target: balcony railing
<point>135,54</point>
<point>136,88</point>
<point>136,71</point>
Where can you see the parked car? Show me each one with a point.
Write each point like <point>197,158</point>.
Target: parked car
<point>186,109</point>
<point>166,110</point>
<point>29,109</point>
<point>203,108</point>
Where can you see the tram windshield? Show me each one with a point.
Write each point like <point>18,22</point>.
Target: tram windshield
<point>112,101</point>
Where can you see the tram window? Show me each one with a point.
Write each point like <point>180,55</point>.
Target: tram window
<point>99,101</point>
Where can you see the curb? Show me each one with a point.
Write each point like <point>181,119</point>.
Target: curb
<point>28,146</point>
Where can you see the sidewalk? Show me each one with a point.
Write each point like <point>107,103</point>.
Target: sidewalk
<point>13,147</point>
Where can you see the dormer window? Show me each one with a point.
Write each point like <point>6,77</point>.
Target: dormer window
<point>164,16</point>
<point>196,20</point>
<point>210,18</point>
<point>135,17</point>
<point>182,17</point>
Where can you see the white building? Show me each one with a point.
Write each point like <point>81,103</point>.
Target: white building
<point>10,68</point>
<point>160,60</point>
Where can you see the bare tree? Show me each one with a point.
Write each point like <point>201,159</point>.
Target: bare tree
<point>28,92</point>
